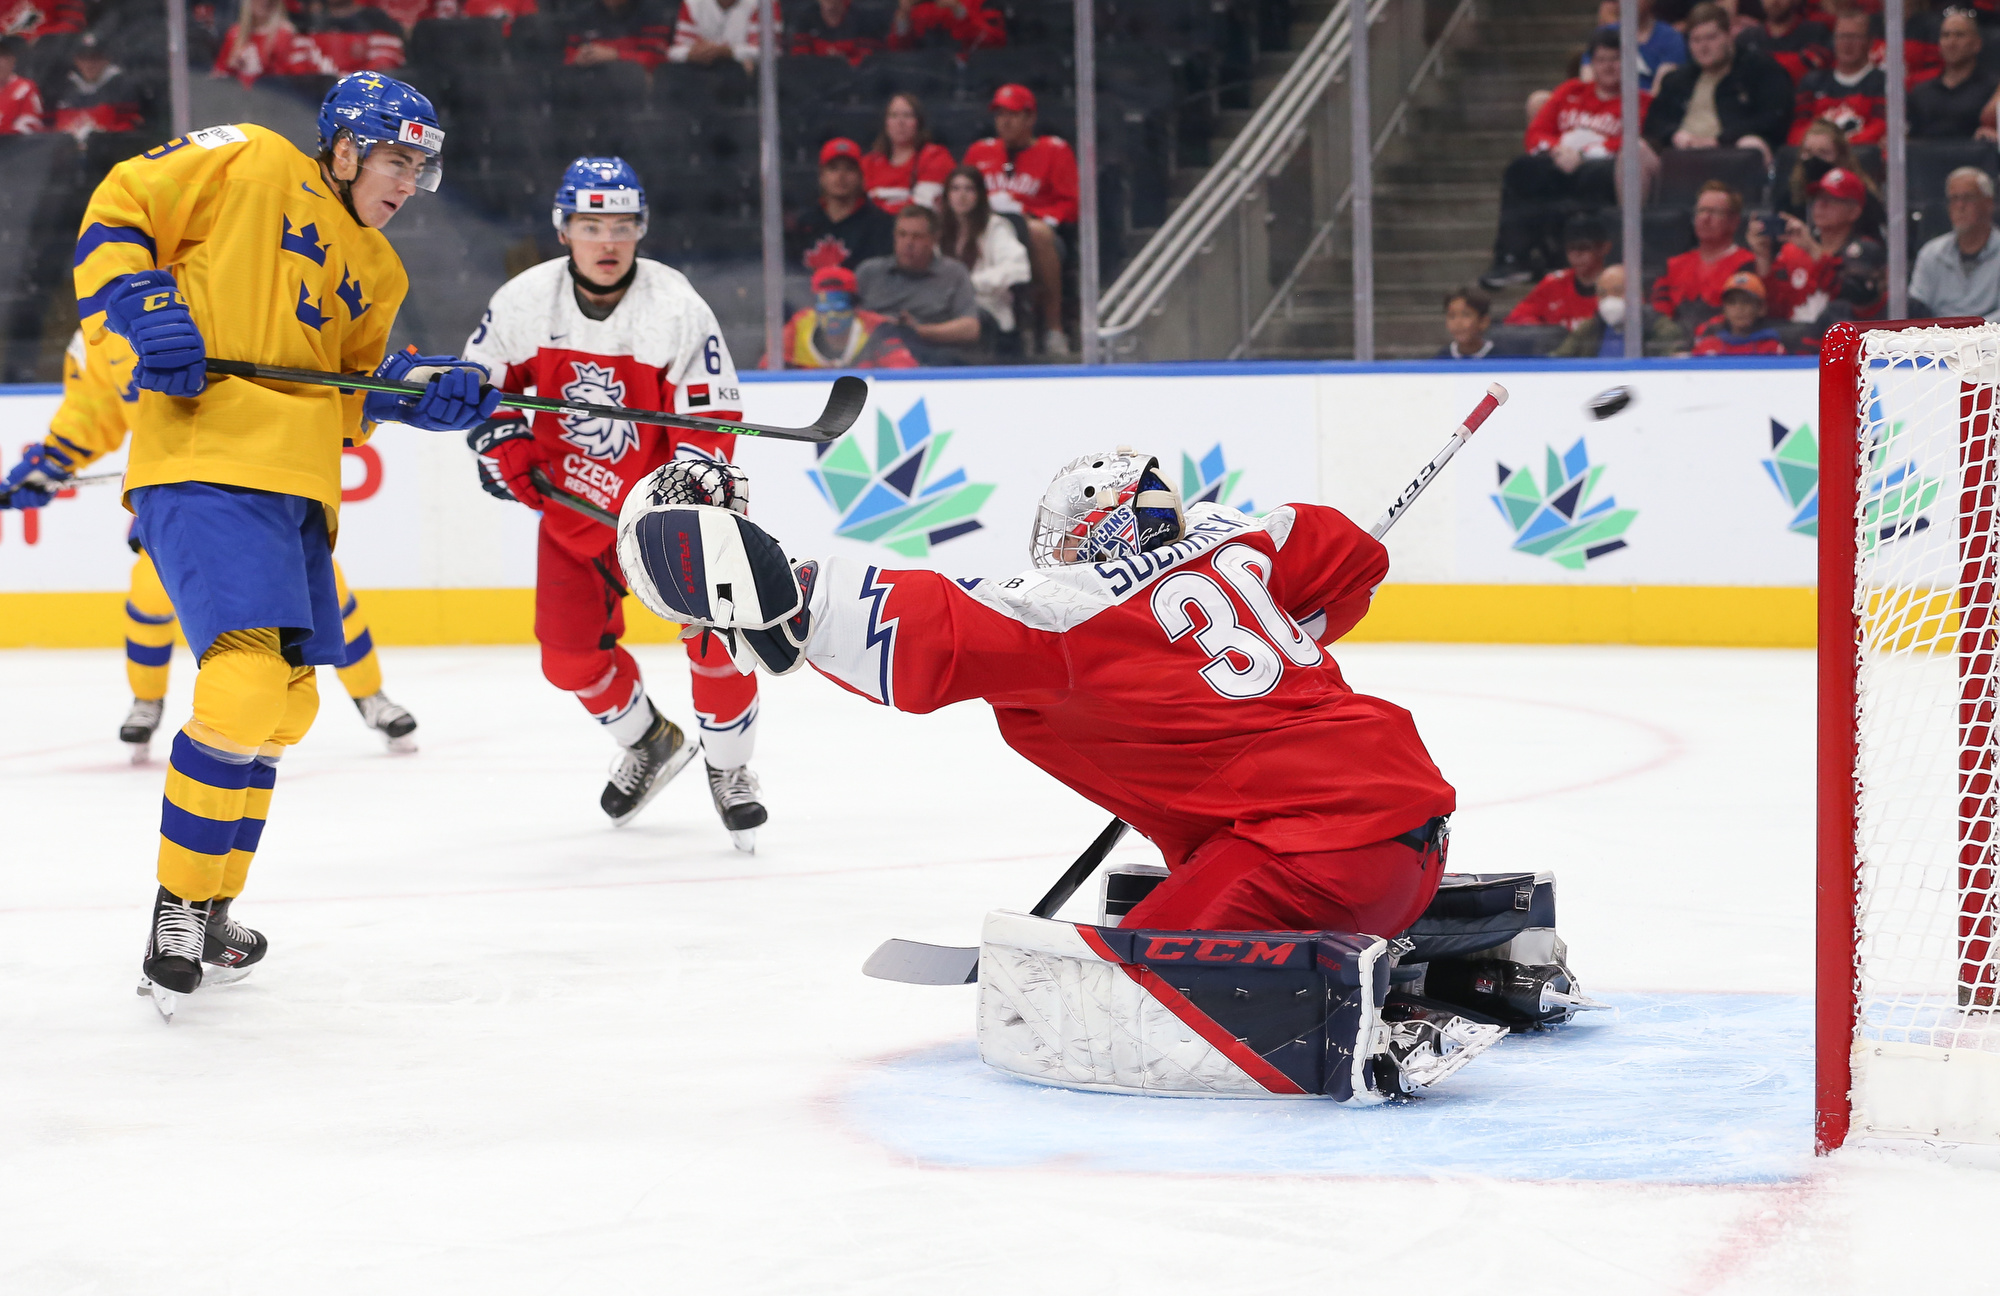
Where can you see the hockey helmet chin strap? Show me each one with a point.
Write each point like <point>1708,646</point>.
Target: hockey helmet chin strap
<point>602,290</point>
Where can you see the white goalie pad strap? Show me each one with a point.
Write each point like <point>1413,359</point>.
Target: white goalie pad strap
<point>1056,1010</point>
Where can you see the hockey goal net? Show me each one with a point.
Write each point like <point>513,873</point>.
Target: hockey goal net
<point>1908,1039</point>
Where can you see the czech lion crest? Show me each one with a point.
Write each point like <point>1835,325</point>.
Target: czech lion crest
<point>600,438</point>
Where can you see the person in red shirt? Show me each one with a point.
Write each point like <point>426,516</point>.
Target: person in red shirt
<point>1795,36</point>
<point>966,24</point>
<point>1851,93</point>
<point>838,29</point>
<point>611,31</point>
<point>1697,276</point>
<point>20,100</point>
<point>34,19</point>
<point>263,42</point>
<point>1569,297</point>
<point>1803,275</point>
<point>834,333</point>
<point>97,96</point>
<point>358,38</point>
<point>904,166</point>
<point>1742,328</point>
<point>1031,180</point>
<point>1567,167</point>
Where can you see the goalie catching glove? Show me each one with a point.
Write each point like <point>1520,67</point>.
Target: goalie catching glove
<point>705,564</point>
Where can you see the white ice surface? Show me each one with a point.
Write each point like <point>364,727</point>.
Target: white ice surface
<point>501,1047</point>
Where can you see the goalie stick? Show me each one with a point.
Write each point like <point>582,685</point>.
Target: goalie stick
<point>843,404</point>
<point>920,964</point>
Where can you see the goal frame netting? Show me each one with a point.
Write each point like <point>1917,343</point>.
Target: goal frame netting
<point>1902,1080</point>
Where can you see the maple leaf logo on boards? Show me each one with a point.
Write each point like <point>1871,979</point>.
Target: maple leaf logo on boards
<point>600,438</point>
<point>1212,481</point>
<point>1794,469</point>
<point>897,501</point>
<point>1561,522</point>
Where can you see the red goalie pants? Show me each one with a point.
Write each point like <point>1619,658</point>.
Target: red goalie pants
<point>1230,884</point>
<point>579,618</point>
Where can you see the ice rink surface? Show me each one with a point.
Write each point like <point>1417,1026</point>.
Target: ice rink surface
<point>501,1047</point>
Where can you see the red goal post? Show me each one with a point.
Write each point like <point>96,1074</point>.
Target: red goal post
<point>1907,1042</point>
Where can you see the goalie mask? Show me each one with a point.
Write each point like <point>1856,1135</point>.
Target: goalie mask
<point>1104,507</point>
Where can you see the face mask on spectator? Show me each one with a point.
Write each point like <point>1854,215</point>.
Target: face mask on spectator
<point>1611,310</point>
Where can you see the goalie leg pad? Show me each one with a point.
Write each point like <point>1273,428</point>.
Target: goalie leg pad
<point>1200,1013</point>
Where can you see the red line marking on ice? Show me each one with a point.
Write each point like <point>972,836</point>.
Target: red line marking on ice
<point>1674,747</point>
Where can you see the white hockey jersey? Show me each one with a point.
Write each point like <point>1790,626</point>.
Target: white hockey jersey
<point>659,349</point>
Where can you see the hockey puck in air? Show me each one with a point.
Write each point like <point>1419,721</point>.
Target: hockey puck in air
<point>1610,401</point>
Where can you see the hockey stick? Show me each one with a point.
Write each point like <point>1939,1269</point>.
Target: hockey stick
<point>88,479</point>
<point>843,404</point>
<point>574,503</point>
<point>920,964</point>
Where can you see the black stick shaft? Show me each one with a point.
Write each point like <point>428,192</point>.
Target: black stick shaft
<point>843,405</point>
<point>1085,865</point>
<point>574,503</point>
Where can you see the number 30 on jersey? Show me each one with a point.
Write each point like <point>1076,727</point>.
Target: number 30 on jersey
<point>1242,662</point>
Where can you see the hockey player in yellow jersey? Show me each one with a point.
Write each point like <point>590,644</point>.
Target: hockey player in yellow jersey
<point>91,422</point>
<point>231,242</point>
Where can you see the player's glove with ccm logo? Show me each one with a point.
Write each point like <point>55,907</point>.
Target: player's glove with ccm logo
<point>507,454</point>
<point>455,395</point>
<point>147,310</point>
<point>35,479</point>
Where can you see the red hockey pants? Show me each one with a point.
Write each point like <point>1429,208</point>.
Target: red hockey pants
<point>1230,884</point>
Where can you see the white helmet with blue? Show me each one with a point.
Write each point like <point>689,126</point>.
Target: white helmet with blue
<point>600,186</point>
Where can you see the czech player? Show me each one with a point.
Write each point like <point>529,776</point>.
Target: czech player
<point>607,326</point>
<point>232,242</point>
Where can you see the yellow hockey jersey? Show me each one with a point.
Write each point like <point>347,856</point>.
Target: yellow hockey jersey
<point>275,271</point>
<point>99,399</point>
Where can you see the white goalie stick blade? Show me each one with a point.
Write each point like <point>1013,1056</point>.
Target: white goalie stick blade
<point>916,963</point>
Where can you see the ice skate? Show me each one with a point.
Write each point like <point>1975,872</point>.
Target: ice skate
<point>140,722</point>
<point>735,792</point>
<point>1428,1043</point>
<point>644,768</point>
<point>174,947</point>
<point>394,722</point>
<point>228,947</point>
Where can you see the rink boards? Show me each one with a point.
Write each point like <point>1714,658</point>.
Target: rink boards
<point>1688,517</point>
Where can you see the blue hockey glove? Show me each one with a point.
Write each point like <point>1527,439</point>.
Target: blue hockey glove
<point>147,310</point>
<point>456,397</point>
<point>35,480</point>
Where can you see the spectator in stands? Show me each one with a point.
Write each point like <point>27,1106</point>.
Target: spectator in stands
<point>928,295</point>
<point>1468,313</point>
<point>1959,273</point>
<point>354,38</point>
<point>843,228</point>
<point>1661,49</point>
<point>964,25</point>
<point>612,31</point>
<point>1603,334</point>
<point>835,334</point>
<point>1741,328</point>
<point>1567,167</point>
<point>1569,296</point>
<point>1860,289</point>
<point>1031,180</point>
<point>711,32</point>
<point>1795,37</point>
<point>1850,94</point>
<point>989,248</point>
<point>904,166</point>
<point>20,98</point>
<point>33,19</point>
<point>263,42</point>
<point>1825,147</point>
<point>838,28</point>
<point>97,95</point>
<point>1691,289</point>
<point>1726,98</point>
<point>1800,276</point>
<point>1948,105</point>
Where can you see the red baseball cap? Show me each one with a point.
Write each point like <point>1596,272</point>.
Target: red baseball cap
<point>1744,281</point>
<point>840,147</point>
<point>1014,98</point>
<point>834,279</point>
<point>1842,184</point>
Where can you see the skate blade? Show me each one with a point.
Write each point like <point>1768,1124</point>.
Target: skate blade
<point>214,974</point>
<point>404,746</point>
<point>141,753</point>
<point>164,1000</point>
<point>675,764</point>
<point>1472,1039</point>
<point>745,840</point>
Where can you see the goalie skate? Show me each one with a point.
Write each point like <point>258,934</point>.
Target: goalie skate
<point>1426,1043</point>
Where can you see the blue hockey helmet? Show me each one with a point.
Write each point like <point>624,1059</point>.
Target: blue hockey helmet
<point>600,186</point>
<point>376,109</point>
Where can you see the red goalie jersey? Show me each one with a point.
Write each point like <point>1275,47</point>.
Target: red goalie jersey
<point>1185,690</point>
<point>660,349</point>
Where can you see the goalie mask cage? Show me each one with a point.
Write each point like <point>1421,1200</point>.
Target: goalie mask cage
<point>1908,1042</point>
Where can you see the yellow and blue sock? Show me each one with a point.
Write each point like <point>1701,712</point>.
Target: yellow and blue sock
<point>149,632</point>
<point>362,676</point>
